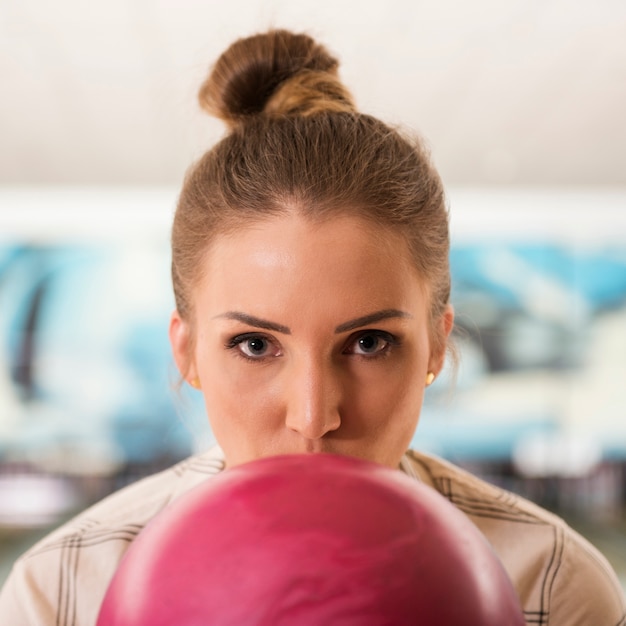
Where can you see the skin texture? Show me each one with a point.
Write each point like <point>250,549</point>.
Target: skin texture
<point>283,352</point>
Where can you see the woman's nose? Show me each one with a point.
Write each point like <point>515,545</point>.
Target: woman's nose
<point>313,408</point>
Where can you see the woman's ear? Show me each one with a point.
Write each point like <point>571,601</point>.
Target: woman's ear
<point>443,330</point>
<point>180,340</point>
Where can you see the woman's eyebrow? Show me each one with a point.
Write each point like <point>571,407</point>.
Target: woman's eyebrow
<point>251,320</point>
<point>371,319</point>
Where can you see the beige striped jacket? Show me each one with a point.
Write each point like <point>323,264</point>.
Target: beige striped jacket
<point>560,578</point>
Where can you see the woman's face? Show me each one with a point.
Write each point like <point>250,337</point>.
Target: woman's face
<point>310,337</point>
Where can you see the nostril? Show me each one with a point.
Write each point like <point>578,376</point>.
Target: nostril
<point>313,426</point>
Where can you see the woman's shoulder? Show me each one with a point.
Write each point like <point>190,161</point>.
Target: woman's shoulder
<point>128,510</point>
<point>475,496</point>
<point>62,578</point>
<point>560,577</point>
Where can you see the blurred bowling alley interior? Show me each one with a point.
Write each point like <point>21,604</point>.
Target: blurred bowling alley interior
<point>522,107</point>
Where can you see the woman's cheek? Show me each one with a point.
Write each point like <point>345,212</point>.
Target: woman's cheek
<point>241,392</point>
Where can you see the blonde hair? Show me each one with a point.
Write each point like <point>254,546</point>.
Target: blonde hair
<point>297,142</point>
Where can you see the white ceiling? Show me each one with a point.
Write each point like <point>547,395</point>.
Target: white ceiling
<point>505,91</point>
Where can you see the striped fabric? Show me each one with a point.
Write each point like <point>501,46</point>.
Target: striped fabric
<point>561,579</point>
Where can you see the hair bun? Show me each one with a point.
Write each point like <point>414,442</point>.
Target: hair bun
<point>275,73</point>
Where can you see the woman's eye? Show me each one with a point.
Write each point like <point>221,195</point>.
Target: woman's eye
<point>254,346</point>
<point>371,343</point>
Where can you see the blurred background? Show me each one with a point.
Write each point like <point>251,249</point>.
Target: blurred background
<point>522,104</point>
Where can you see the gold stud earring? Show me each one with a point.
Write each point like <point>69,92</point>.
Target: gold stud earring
<point>429,378</point>
<point>195,383</point>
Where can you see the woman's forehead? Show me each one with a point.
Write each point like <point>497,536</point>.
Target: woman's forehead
<point>289,259</point>
<point>293,234</point>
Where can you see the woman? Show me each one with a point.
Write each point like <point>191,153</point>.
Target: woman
<point>310,269</point>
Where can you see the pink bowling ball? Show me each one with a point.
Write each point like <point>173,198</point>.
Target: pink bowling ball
<point>310,540</point>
